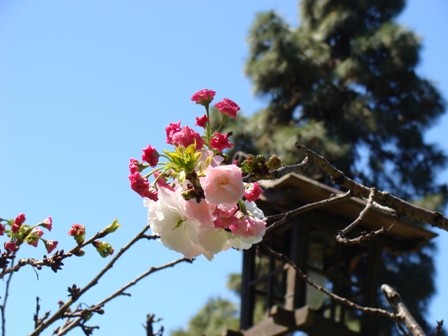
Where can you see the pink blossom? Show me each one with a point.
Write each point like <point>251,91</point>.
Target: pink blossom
<point>186,137</point>
<point>134,166</point>
<point>47,223</point>
<point>202,121</point>
<point>50,245</point>
<point>200,211</point>
<point>248,226</point>
<point>172,129</point>
<point>11,246</point>
<point>20,219</point>
<point>252,191</point>
<point>2,229</point>
<point>203,97</point>
<point>224,215</point>
<point>220,141</point>
<point>34,236</point>
<point>223,184</point>
<point>150,155</point>
<point>141,186</point>
<point>228,107</point>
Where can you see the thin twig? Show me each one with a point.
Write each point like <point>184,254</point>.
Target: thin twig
<point>38,264</point>
<point>346,302</point>
<point>5,301</point>
<point>119,292</point>
<point>439,329</point>
<point>285,216</point>
<point>296,168</point>
<point>361,238</point>
<point>361,215</point>
<point>341,236</point>
<point>45,324</point>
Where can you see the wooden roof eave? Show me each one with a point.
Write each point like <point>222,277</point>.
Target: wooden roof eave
<point>303,190</point>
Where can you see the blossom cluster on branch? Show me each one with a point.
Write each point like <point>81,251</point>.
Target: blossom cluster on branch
<point>18,232</point>
<point>197,200</point>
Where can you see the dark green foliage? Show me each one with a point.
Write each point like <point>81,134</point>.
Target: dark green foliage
<point>213,319</point>
<point>344,84</point>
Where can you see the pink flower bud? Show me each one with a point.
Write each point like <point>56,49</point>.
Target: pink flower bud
<point>202,121</point>
<point>186,137</point>
<point>203,97</point>
<point>11,246</point>
<point>134,166</point>
<point>228,107</point>
<point>172,129</point>
<point>20,219</point>
<point>47,223</point>
<point>50,245</point>
<point>141,186</point>
<point>77,230</point>
<point>252,191</point>
<point>220,141</point>
<point>150,155</point>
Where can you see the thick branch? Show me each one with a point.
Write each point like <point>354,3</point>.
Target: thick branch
<point>402,312</point>
<point>434,218</point>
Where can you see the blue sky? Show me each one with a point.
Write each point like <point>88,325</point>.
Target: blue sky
<point>86,85</point>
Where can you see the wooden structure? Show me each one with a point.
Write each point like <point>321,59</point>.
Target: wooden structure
<point>276,301</point>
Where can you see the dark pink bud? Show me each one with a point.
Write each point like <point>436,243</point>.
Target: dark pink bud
<point>228,107</point>
<point>150,155</point>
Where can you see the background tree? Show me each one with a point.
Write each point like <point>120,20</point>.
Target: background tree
<point>344,84</point>
<point>216,316</point>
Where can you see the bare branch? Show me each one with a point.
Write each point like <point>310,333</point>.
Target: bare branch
<point>285,170</point>
<point>333,296</point>
<point>120,292</point>
<point>5,301</point>
<point>439,328</point>
<point>63,308</point>
<point>284,217</point>
<point>361,238</point>
<point>149,328</point>
<point>341,236</point>
<point>151,270</point>
<point>434,218</point>
<point>402,313</point>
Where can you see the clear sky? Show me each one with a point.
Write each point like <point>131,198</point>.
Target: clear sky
<point>85,85</point>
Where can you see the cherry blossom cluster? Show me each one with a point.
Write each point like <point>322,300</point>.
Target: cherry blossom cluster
<point>18,233</point>
<point>197,200</point>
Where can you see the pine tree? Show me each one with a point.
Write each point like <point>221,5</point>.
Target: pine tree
<point>344,84</point>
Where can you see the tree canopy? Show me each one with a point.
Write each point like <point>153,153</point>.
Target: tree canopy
<point>344,83</point>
